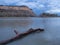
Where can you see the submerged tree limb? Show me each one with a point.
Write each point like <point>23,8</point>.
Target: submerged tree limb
<point>20,36</point>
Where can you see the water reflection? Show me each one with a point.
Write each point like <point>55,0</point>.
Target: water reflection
<point>51,35</point>
<point>8,25</point>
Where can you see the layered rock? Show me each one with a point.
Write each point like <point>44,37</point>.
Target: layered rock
<point>16,11</point>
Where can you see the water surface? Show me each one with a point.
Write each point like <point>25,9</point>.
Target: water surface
<point>51,35</point>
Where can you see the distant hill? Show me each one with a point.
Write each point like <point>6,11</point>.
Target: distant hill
<point>16,11</point>
<point>48,15</point>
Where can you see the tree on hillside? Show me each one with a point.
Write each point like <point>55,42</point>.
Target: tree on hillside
<point>48,15</point>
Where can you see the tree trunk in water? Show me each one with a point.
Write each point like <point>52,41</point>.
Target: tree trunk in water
<point>20,36</point>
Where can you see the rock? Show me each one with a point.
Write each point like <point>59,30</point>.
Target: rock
<point>16,11</point>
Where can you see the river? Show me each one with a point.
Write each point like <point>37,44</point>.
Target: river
<point>50,36</point>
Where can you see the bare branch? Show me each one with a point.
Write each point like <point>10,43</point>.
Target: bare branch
<point>20,36</point>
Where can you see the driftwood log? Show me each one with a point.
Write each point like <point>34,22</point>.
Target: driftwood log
<point>20,36</point>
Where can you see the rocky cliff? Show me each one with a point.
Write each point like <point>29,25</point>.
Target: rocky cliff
<point>16,11</point>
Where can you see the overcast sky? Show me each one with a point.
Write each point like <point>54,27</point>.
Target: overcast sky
<point>38,6</point>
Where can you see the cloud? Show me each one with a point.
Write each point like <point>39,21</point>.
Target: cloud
<point>8,2</point>
<point>53,6</point>
<point>31,4</point>
<point>53,11</point>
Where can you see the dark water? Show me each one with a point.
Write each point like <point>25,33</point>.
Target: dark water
<point>51,35</point>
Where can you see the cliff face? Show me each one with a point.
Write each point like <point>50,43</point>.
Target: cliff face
<point>16,11</point>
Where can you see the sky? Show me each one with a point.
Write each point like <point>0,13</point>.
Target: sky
<point>38,6</point>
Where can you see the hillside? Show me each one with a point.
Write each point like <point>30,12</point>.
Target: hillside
<point>48,15</point>
<point>16,11</point>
